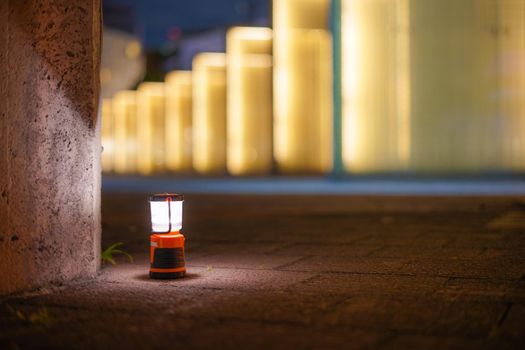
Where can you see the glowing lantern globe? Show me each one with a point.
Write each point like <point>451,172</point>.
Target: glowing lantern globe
<point>166,240</point>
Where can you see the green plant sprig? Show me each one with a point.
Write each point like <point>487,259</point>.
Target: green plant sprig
<point>108,254</point>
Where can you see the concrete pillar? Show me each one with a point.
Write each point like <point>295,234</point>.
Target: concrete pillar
<point>49,142</point>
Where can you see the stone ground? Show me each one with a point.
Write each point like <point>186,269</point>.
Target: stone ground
<point>294,272</point>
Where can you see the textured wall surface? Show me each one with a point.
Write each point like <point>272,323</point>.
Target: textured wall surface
<point>49,142</point>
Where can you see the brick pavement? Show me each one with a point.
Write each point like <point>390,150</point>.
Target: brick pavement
<point>294,272</point>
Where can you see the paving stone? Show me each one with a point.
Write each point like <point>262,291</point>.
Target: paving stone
<point>348,264</point>
<point>415,341</point>
<point>431,317</point>
<point>238,247</point>
<point>487,240</point>
<point>416,251</point>
<point>285,306</point>
<point>483,290</point>
<point>88,329</point>
<point>243,261</point>
<point>345,250</point>
<point>264,336</point>
<point>512,326</point>
<point>500,268</point>
<point>388,286</point>
<point>407,239</point>
<point>207,277</point>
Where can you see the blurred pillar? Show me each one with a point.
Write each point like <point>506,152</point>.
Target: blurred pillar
<point>250,123</point>
<point>124,109</point>
<point>151,128</point>
<point>107,136</point>
<point>209,113</point>
<point>511,74</point>
<point>454,77</point>
<point>49,142</point>
<point>302,85</point>
<point>178,121</point>
<point>375,85</point>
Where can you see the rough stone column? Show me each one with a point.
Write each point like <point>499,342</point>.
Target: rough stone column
<point>49,142</point>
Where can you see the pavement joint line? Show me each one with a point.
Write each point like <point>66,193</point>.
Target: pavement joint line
<point>438,335</point>
<point>421,332</point>
<point>241,268</point>
<point>391,335</point>
<point>505,314</point>
<point>340,302</point>
<point>357,273</point>
<point>305,281</point>
<point>377,249</point>
<point>279,268</point>
<point>405,274</point>
<point>284,247</point>
<point>263,321</point>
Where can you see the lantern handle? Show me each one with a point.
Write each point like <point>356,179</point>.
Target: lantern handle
<point>169,215</point>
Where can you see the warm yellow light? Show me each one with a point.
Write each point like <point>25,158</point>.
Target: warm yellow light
<point>124,109</point>
<point>302,85</point>
<point>209,113</point>
<point>178,121</point>
<point>467,77</point>
<point>105,76</point>
<point>375,85</point>
<point>511,45</point>
<point>151,128</point>
<point>107,136</point>
<point>133,50</point>
<point>249,100</point>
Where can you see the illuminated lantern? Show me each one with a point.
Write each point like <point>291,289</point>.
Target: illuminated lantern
<point>209,113</point>
<point>166,240</point>
<point>178,121</point>
<point>249,77</point>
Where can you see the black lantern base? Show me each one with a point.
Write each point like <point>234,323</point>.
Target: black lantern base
<point>166,275</point>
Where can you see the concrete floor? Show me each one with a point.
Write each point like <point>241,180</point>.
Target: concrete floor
<point>294,272</point>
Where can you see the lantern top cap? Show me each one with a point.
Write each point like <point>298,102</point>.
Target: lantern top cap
<point>162,197</point>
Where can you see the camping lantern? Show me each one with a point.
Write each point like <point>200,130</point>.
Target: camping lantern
<point>166,240</point>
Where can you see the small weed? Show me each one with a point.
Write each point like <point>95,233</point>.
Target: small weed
<point>40,317</point>
<point>107,254</point>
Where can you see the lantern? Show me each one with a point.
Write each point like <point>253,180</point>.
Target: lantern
<point>166,240</point>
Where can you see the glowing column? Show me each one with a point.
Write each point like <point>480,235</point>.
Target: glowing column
<point>302,85</point>
<point>250,106</point>
<point>454,99</point>
<point>124,109</point>
<point>151,128</point>
<point>375,85</point>
<point>209,113</point>
<point>178,121</point>
<point>107,136</point>
<point>511,52</point>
